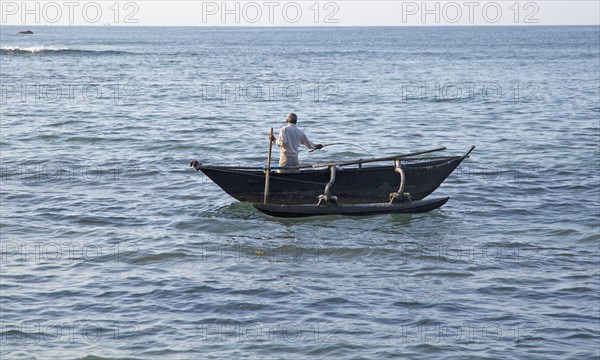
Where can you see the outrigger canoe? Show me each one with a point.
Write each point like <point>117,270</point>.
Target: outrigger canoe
<point>354,183</point>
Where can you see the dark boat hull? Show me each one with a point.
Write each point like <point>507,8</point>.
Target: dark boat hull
<point>353,185</point>
<point>355,210</point>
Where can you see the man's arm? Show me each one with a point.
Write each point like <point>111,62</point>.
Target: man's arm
<point>279,140</point>
<point>309,144</point>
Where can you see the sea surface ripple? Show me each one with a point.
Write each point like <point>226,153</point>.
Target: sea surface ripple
<point>112,247</point>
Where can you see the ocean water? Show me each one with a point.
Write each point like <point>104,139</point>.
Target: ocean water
<point>112,247</point>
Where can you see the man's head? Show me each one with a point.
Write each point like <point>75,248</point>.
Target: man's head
<point>291,118</point>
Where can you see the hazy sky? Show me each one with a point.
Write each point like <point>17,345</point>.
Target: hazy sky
<point>299,13</point>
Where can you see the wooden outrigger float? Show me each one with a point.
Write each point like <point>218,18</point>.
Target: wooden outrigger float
<point>412,207</point>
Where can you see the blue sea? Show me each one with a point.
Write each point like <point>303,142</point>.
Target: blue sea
<point>113,247</point>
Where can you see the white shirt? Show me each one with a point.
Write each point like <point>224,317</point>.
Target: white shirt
<point>289,139</point>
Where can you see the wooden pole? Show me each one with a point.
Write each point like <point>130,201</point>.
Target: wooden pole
<point>268,169</point>
<point>343,163</point>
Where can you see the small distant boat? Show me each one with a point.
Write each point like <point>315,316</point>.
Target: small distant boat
<point>354,183</point>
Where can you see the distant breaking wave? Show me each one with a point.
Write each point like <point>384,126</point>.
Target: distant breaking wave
<point>35,50</point>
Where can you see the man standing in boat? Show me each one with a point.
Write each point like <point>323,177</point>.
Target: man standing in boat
<point>289,140</point>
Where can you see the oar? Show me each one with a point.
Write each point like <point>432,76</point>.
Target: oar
<point>365,161</point>
<point>394,157</point>
<point>341,143</point>
<point>268,169</point>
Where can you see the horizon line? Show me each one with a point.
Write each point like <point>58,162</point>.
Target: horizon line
<point>296,26</point>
